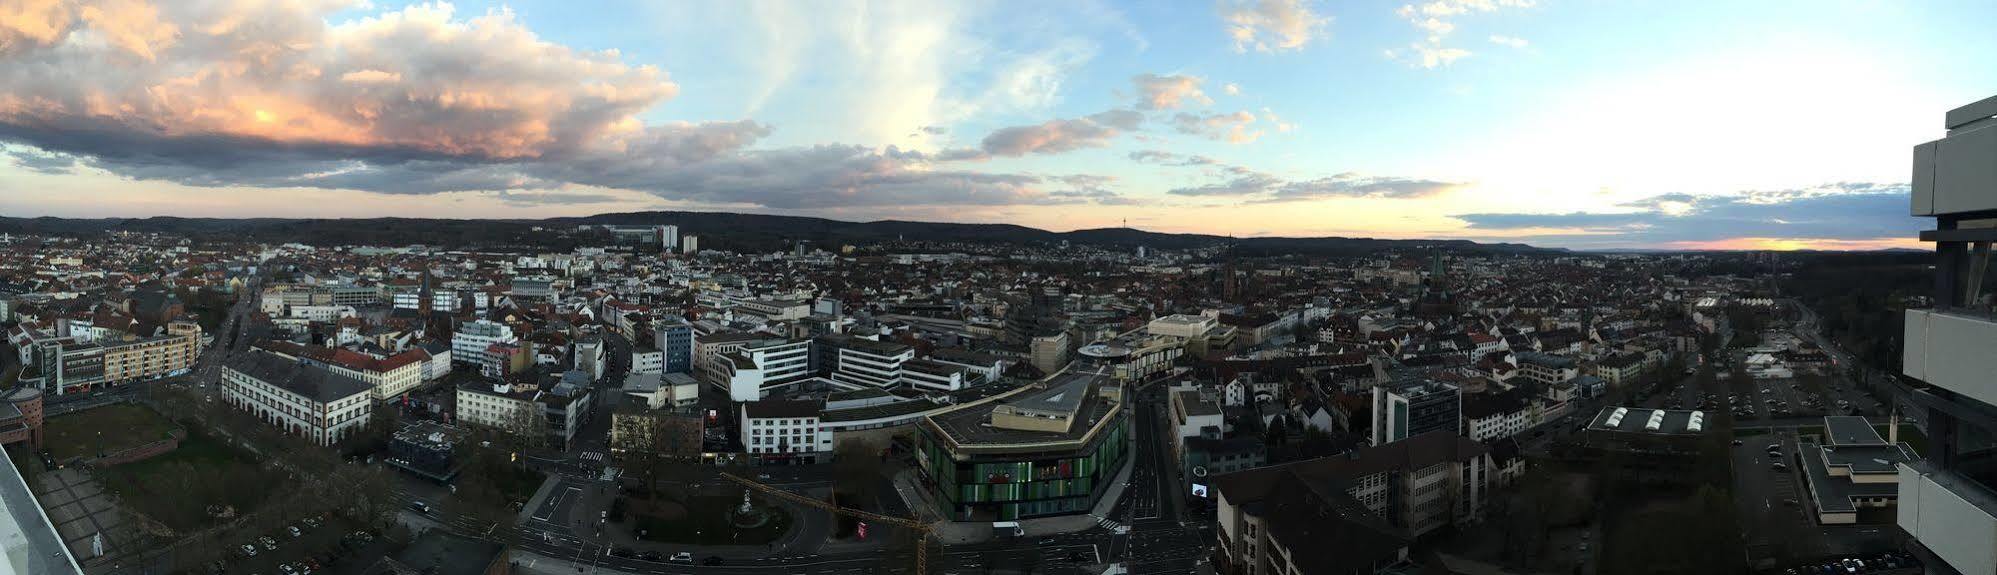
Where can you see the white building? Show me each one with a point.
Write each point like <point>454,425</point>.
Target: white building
<point>786,431</point>
<point>865,362</point>
<point>468,345</point>
<point>648,361</point>
<point>304,400</point>
<point>935,375</point>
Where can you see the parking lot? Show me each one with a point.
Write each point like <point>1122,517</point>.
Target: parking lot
<point>312,550</point>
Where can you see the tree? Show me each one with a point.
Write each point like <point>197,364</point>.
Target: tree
<point>855,473</point>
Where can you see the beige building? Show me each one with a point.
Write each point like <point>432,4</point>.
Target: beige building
<point>153,357</point>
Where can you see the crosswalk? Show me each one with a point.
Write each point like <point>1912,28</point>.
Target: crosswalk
<point>1109,524</point>
<point>596,456</point>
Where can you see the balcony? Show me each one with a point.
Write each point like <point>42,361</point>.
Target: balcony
<point>1956,174</point>
<point>1953,350</point>
<point>1953,517</point>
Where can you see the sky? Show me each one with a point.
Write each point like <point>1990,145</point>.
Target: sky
<point>1569,123</point>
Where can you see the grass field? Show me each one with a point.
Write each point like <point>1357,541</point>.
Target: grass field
<point>176,488</point>
<point>104,430</point>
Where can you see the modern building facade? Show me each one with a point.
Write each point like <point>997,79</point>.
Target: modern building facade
<point>1051,448</point>
<point>674,336</point>
<point>1404,410</point>
<point>1948,502</point>
<point>784,431</point>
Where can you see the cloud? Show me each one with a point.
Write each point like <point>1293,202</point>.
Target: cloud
<point>42,162</point>
<point>1165,158</point>
<point>1233,128</point>
<point>1436,19</point>
<point>1232,89</point>
<point>1272,25</point>
<point>1844,211</point>
<point>1258,187</point>
<point>419,101</point>
<point>1155,92</point>
<point>1061,135</point>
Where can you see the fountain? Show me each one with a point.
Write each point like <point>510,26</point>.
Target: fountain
<point>748,516</point>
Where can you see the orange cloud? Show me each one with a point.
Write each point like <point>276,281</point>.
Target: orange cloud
<point>1795,244</point>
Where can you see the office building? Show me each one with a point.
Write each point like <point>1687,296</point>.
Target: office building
<point>1948,502</point>
<point>784,431</point>
<point>1404,410</point>
<point>674,336</point>
<point>1051,448</point>
<point>861,361</point>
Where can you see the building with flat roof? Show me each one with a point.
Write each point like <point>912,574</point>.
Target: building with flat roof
<point>1050,448</point>
<point>1853,469</point>
<point>1638,429</point>
<point>1404,410</point>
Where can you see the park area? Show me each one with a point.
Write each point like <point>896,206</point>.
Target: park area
<point>203,482</point>
<point>104,430</point>
<point>704,520</point>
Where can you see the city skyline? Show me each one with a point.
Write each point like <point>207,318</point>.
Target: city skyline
<point>1551,123</point>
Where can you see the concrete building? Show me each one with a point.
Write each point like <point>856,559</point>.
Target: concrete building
<point>1404,410</point>
<point>1049,352</point>
<point>554,411</point>
<point>689,244</point>
<point>1948,502</point>
<point>784,431</point>
<point>936,375</point>
<point>309,401</point>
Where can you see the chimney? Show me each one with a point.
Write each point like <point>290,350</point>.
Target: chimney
<point>1893,427</point>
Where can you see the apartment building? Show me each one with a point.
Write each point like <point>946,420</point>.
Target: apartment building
<point>309,401</point>
<point>1948,502</point>
<point>936,375</point>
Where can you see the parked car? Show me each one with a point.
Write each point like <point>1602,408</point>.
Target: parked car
<point>682,557</point>
<point>293,530</point>
<point>249,550</point>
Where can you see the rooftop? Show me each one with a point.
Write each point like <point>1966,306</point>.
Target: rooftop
<point>315,382</point>
<point>1651,421</point>
<point>1069,395</point>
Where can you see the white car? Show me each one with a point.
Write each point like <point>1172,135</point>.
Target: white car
<point>250,550</point>
<point>681,557</point>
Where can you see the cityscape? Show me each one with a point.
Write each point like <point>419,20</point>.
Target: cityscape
<point>404,289</point>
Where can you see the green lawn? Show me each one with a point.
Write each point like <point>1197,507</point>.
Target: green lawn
<point>103,430</point>
<point>176,488</point>
<point>706,523</point>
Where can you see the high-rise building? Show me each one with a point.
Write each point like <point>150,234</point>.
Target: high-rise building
<point>1404,410</point>
<point>690,244</point>
<point>669,238</point>
<point>674,336</point>
<point>1948,502</point>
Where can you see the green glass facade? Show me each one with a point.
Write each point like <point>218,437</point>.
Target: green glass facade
<point>1005,487</point>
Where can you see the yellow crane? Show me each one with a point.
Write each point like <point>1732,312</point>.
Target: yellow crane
<point>922,531</point>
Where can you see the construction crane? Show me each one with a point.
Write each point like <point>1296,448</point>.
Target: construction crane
<point>922,531</point>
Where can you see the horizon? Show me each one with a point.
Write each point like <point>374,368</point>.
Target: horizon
<point>1760,127</point>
